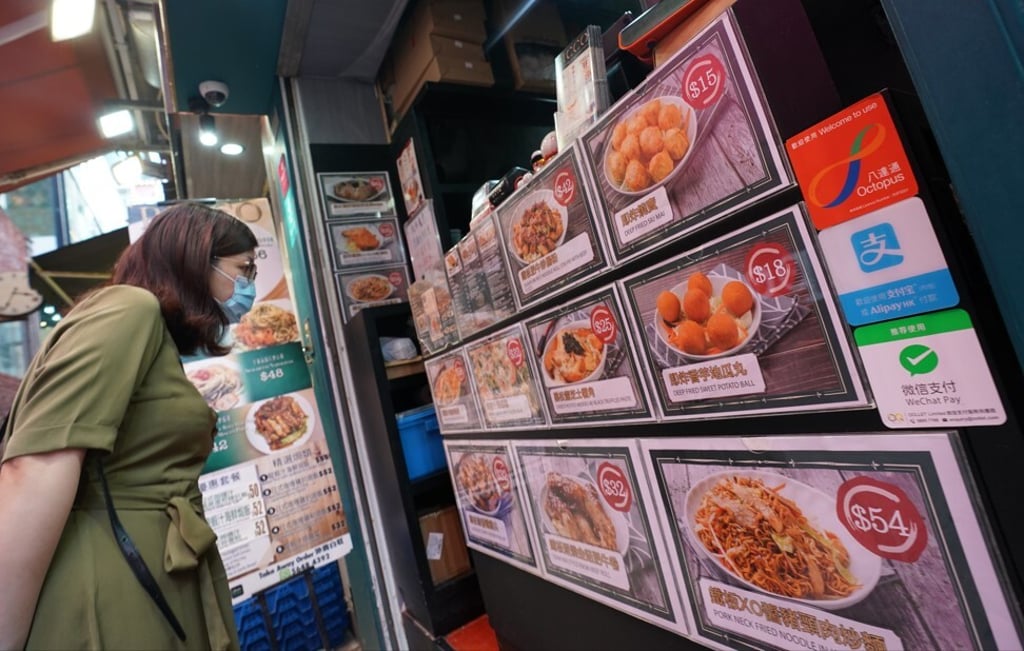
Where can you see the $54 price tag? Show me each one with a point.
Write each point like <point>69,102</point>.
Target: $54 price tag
<point>882,518</point>
<point>614,487</point>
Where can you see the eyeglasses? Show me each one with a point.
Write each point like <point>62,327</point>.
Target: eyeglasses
<point>248,269</point>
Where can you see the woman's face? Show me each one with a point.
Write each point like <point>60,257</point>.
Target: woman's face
<point>226,269</point>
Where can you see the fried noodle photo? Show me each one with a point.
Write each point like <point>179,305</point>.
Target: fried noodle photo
<point>575,511</point>
<point>537,232</point>
<point>266,325</point>
<point>475,476</point>
<point>369,288</point>
<point>281,422</point>
<point>765,539</point>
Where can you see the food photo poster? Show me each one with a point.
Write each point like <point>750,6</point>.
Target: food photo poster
<point>744,324</point>
<point>588,499</point>
<point>490,501</point>
<point>345,194</point>
<point>831,542</point>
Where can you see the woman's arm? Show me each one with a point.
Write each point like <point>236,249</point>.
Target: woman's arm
<point>36,494</point>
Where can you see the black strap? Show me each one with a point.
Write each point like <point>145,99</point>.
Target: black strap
<point>131,554</point>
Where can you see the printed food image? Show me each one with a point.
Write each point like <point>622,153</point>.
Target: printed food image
<point>281,422</point>
<point>220,386</point>
<point>266,324</point>
<point>475,476</point>
<point>537,232</point>
<point>354,190</point>
<point>573,354</point>
<point>447,386</point>
<point>575,511</point>
<point>495,374</point>
<point>370,288</point>
<point>766,540</point>
<point>707,317</point>
<point>649,143</point>
<point>360,238</point>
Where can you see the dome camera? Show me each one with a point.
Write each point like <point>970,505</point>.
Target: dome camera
<point>214,92</point>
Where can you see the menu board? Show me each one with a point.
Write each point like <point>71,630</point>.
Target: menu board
<point>550,231</point>
<point>454,400</point>
<point>832,542</point>
<point>409,178</point>
<point>356,193</point>
<point>433,313</point>
<point>744,325</point>
<point>368,242</point>
<point>372,286</point>
<point>692,144</point>
<point>587,364</point>
<point>490,501</point>
<point>588,501</point>
<point>423,240</point>
<point>504,380</point>
<point>499,288</point>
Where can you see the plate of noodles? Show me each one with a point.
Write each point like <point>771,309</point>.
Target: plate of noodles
<point>268,323</point>
<point>779,536</point>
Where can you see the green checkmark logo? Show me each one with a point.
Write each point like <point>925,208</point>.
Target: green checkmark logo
<point>918,359</point>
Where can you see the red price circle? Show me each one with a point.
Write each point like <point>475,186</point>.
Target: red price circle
<point>514,350</point>
<point>501,475</point>
<point>565,187</point>
<point>602,322</point>
<point>396,278</point>
<point>769,269</point>
<point>704,81</point>
<point>377,183</point>
<point>882,519</point>
<point>385,229</point>
<point>614,487</point>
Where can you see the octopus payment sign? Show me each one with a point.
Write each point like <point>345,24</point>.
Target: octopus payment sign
<point>852,163</point>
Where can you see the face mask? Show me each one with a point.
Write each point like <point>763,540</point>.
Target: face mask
<point>241,299</point>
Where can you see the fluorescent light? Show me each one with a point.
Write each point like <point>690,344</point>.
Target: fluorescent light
<point>116,123</point>
<point>231,149</point>
<point>71,18</point>
<point>207,130</point>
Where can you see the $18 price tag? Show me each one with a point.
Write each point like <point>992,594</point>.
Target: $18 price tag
<point>769,269</point>
<point>882,518</point>
<point>614,487</point>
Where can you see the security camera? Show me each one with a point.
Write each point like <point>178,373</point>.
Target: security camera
<point>214,92</point>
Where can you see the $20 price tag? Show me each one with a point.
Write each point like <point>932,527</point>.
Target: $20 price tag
<point>882,518</point>
<point>614,487</point>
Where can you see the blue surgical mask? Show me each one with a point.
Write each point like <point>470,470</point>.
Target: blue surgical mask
<point>241,299</point>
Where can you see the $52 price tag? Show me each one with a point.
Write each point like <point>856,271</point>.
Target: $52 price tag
<point>882,518</point>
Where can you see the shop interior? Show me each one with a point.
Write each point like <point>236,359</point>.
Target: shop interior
<point>279,100</point>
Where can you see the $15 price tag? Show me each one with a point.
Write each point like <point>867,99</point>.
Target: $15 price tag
<point>614,487</point>
<point>704,81</point>
<point>882,518</point>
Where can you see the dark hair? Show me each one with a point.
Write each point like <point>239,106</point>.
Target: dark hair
<point>172,260</point>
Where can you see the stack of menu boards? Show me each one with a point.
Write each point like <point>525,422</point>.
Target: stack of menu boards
<point>581,85</point>
<point>367,253</point>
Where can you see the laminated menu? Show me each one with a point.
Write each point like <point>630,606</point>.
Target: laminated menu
<point>498,286</point>
<point>746,324</point>
<point>433,315</point>
<point>504,379</point>
<point>490,501</point>
<point>587,363</point>
<point>345,194</point>
<point>694,143</point>
<point>365,242</point>
<point>589,502</point>
<point>454,400</point>
<point>851,542</point>
<point>550,232</point>
<point>372,286</point>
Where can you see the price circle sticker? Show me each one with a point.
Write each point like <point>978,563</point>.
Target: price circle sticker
<point>396,278</point>
<point>704,81</point>
<point>386,229</point>
<point>614,487</point>
<point>770,269</point>
<point>565,186</point>
<point>602,323</point>
<point>377,183</point>
<point>881,517</point>
<point>460,370</point>
<point>514,350</point>
<point>501,474</point>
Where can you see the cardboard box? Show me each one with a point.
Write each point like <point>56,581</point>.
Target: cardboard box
<point>445,544</point>
<point>454,70</point>
<point>414,55</point>
<point>459,19</point>
<point>532,44</point>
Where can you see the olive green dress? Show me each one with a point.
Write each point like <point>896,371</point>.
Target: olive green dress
<point>109,380</point>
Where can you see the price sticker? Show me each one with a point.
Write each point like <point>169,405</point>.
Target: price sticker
<point>460,370</point>
<point>501,474</point>
<point>614,487</point>
<point>377,183</point>
<point>770,269</point>
<point>565,187</point>
<point>704,81</point>
<point>386,229</point>
<point>396,278</point>
<point>272,374</point>
<point>603,324</point>
<point>514,349</point>
<point>882,518</point>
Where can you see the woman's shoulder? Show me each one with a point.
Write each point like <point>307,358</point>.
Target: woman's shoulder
<point>126,299</point>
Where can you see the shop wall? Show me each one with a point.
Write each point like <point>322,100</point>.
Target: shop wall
<point>341,111</point>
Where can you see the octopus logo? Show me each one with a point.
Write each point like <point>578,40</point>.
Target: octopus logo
<point>859,150</point>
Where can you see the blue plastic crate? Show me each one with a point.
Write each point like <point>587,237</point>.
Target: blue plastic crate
<point>330,597</point>
<point>421,441</point>
<point>252,630</point>
<point>292,616</point>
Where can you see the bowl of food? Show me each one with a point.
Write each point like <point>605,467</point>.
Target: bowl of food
<point>649,145</point>
<point>369,288</point>
<point>538,226</point>
<point>478,485</point>
<point>277,423</point>
<point>357,189</point>
<point>780,537</point>
<point>572,508</point>
<point>573,353</point>
<point>707,316</point>
<point>448,385</point>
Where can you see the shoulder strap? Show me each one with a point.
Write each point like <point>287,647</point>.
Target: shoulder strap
<point>134,558</point>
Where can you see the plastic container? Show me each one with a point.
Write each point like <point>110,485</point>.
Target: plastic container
<point>421,441</point>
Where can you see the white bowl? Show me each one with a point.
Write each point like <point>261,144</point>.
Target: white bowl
<point>717,283</point>
<point>548,197</point>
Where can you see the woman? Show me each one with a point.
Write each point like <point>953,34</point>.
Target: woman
<point>106,400</point>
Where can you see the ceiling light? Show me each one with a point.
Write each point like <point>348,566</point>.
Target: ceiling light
<point>116,123</point>
<point>231,149</point>
<point>71,18</point>
<point>207,130</point>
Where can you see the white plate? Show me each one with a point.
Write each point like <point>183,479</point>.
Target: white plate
<point>717,283</point>
<point>618,519</point>
<point>228,400</point>
<point>691,135</point>
<point>548,197</point>
<point>820,511</point>
<point>348,289</point>
<point>343,241</point>
<point>373,197</point>
<point>256,439</point>
<point>594,375</point>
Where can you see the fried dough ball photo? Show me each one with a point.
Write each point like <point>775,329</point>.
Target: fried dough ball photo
<point>660,166</point>
<point>670,117</point>
<point>617,163</point>
<point>651,141</point>
<point>699,281</point>
<point>676,143</point>
<point>668,306</point>
<point>723,333</point>
<point>637,177</point>
<point>651,110</point>
<point>619,134</point>
<point>696,305</point>
<point>636,124</point>
<point>630,147</point>
<point>737,298</point>
<point>689,335</point>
